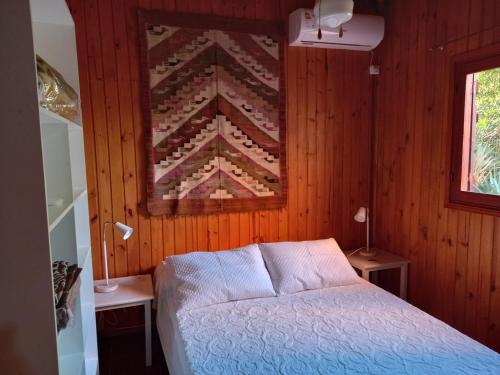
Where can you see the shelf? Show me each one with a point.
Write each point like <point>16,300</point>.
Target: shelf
<point>49,117</point>
<point>82,225</point>
<point>88,317</point>
<point>60,217</point>
<point>87,288</point>
<point>83,253</point>
<point>71,363</point>
<point>79,339</point>
<point>77,195</point>
<point>90,366</point>
<point>86,294</point>
<point>70,340</point>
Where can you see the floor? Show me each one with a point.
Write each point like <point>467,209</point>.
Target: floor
<point>125,355</point>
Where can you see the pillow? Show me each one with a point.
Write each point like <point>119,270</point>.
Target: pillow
<point>206,278</point>
<point>298,266</point>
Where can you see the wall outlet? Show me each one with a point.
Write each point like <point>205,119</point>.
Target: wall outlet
<point>374,70</point>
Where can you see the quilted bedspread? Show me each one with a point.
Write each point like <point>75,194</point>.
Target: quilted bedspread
<point>356,329</point>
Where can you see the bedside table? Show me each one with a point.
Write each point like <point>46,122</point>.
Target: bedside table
<point>132,291</point>
<point>384,260</point>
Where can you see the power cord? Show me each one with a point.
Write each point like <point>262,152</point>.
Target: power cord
<point>355,251</point>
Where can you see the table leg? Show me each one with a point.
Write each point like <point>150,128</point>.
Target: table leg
<point>365,275</point>
<point>375,277</point>
<point>403,281</point>
<point>147,329</point>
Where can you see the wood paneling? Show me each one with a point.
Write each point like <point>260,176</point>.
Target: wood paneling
<point>455,269</point>
<point>328,124</point>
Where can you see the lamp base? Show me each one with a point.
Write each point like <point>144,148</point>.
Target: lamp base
<point>368,252</point>
<point>106,288</point>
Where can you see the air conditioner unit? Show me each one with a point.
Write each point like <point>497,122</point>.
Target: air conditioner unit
<point>362,33</point>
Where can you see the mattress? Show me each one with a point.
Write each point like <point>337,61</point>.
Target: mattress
<point>355,329</point>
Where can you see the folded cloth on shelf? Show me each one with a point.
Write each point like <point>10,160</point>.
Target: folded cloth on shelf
<point>65,284</point>
<point>72,275</point>
<point>59,274</point>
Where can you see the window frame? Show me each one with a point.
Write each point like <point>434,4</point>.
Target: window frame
<point>464,65</point>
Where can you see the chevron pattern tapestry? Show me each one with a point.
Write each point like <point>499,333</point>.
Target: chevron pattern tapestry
<point>214,112</point>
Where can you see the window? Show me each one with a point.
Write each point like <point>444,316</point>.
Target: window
<point>475,162</point>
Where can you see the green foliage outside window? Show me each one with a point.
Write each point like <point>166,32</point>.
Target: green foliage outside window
<point>486,160</point>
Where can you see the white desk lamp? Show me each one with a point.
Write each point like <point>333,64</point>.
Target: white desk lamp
<point>363,216</point>
<point>127,231</point>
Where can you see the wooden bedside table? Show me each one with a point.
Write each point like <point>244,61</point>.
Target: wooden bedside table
<point>384,260</point>
<point>132,291</point>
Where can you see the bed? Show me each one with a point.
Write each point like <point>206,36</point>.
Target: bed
<point>349,329</point>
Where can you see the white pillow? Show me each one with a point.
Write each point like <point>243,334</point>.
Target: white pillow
<point>206,278</point>
<point>298,266</point>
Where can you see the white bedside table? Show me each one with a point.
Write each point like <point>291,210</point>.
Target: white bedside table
<point>132,291</point>
<point>384,260</point>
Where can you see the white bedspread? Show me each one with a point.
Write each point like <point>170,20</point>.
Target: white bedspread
<point>356,329</point>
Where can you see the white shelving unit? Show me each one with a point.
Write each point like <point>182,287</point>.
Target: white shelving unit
<point>44,211</point>
<point>66,186</point>
<point>70,238</point>
<point>44,215</point>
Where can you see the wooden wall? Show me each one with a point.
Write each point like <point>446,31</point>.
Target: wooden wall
<point>455,270</point>
<point>328,118</point>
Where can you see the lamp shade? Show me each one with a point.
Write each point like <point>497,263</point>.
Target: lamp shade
<point>361,215</point>
<point>333,13</point>
<point>125,229</point>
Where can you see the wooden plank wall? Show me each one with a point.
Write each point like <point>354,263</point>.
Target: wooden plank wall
<point>455,270</point>
<point>329,119</point>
